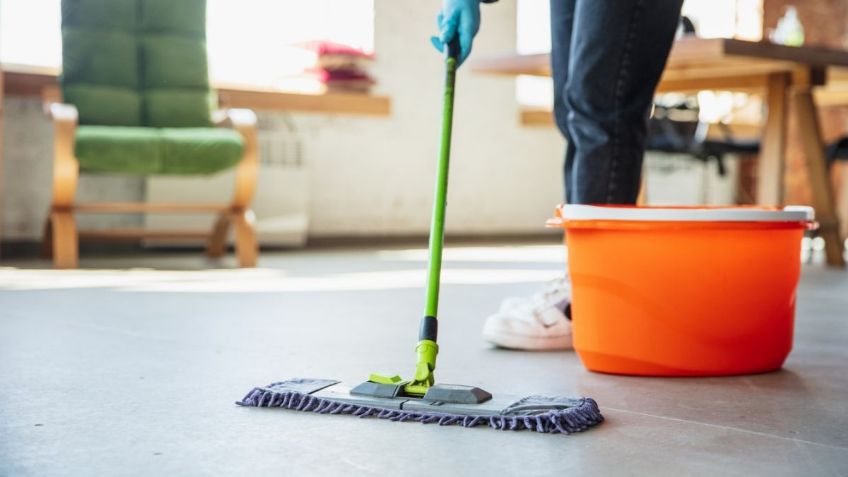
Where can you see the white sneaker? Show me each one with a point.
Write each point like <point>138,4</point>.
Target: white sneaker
<point>537,322</point>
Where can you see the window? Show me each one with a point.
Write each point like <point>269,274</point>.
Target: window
<point>30,33</point>
<point>533,35</point>
<point>249,41</point>
<point>742,19</point>
<point>252,41</point>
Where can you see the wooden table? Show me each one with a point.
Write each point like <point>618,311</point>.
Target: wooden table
<point>782,73</point>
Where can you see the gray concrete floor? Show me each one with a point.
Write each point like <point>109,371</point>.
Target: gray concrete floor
<point>134,372</point>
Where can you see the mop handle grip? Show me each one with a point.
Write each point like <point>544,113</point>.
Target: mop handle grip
<point>428,329</point>
<point>453,49</point>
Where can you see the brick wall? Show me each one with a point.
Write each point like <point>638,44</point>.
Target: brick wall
<point>823,20</point>
<point>825,24</point>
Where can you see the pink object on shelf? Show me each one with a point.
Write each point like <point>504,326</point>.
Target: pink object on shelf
<point>325,76</point>
<point>326,48</point>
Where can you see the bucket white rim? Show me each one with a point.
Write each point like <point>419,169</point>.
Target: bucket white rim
<point>791,213</point>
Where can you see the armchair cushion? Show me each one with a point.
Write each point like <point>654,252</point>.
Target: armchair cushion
<point>110,14</point>
<point>137,72</point>
<point>199,150</point>
<point>131,150</point>
<point>175,73</point>
<point>173,107</point>
<point>154,49</point>
<point>141,150</point>
<point>99,56</point>
<point>184,17</point>
<point>171,61</point>
<point>105,104</point>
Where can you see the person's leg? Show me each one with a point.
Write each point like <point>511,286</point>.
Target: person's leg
<point>562,21</point>
<point>539,321</point>
<point>601,109</point>
<point>618,52</point>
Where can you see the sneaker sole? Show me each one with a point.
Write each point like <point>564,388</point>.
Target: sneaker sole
<point>529,343</point>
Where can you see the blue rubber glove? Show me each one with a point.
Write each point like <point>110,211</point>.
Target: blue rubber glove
<point>458,18</point>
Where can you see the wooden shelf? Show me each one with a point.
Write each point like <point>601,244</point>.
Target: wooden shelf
<point>331,103</point>
<point>22,80</point>
<point>535,117</point>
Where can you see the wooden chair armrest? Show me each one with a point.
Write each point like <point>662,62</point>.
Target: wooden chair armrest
<point>65,167</point>
<point>62,112</point>
<point>50,94</point>
<point>54,108</point>
<point>243,121</point>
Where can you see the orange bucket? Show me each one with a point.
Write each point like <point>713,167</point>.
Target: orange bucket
<point>677,291</point>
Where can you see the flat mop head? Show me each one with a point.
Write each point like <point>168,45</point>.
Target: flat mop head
<point>470,407</point>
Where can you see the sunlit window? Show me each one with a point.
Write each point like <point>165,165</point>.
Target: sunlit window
<point>533,36</point>
<point>254,41</point>
<point>30,32</point>
<point>249,41</point>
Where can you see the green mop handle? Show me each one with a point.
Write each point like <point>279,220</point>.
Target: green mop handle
<point>427,347</point>
<point>437,225</point>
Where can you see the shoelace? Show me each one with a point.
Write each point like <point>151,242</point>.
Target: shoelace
<point>542,307</point>
<point>554,287</point>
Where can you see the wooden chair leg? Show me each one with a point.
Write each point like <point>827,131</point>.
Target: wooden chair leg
<point>217,246</point>
<point>642,198</point>
<point>243,219</point>
<point>65,240</point>
<point>820,186</point>
<point>247,247</point>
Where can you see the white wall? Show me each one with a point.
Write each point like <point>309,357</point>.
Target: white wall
<point>371,176</point>
<point>376,175</point>
<point>27,174</point>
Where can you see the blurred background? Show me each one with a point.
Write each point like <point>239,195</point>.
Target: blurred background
<point>351,154</point>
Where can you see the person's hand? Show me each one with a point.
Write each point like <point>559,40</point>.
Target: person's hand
<point>458,18</point>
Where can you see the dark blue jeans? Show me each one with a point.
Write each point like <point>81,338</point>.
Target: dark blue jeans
<point>607,57</point>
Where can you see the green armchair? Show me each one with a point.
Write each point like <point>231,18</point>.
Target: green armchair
<point>137,100</point>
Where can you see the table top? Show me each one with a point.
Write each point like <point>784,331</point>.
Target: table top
<point>725,63</point>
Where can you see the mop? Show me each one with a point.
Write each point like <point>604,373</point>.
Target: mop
<point>420,399</point>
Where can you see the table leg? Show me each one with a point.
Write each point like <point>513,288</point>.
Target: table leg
<point>773,151</point>
<point>642,198</point>
<point>820,185</point>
